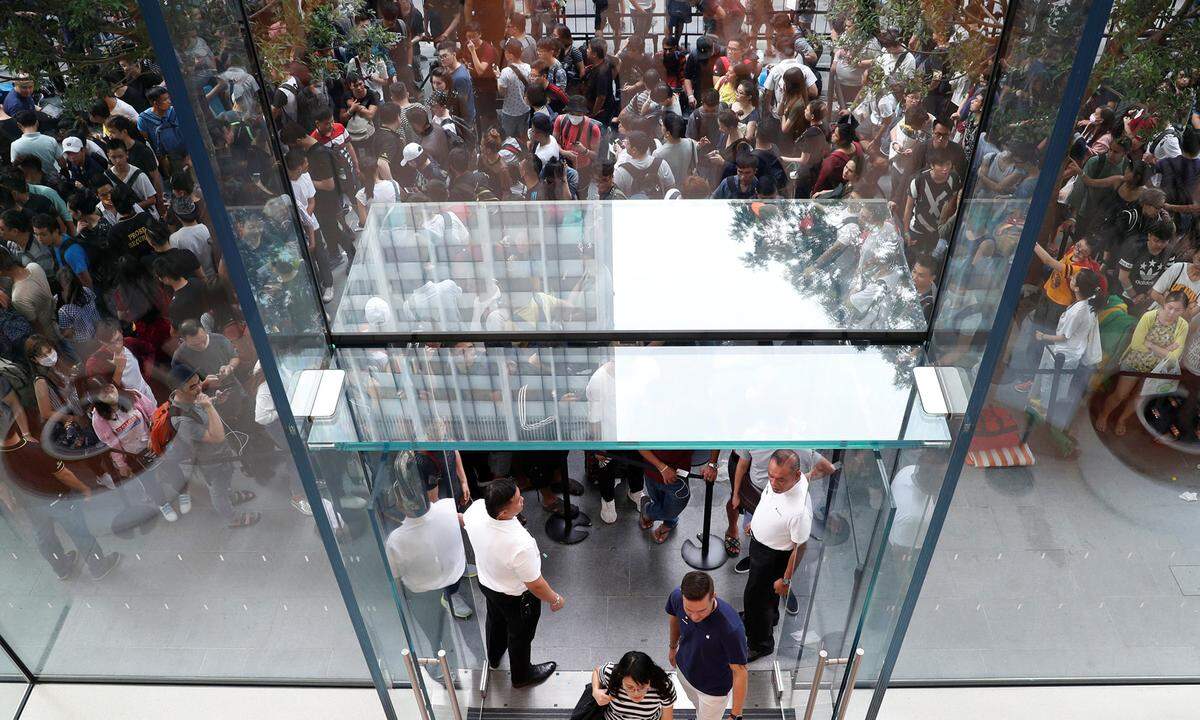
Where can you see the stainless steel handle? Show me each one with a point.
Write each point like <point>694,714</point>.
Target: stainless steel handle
<point>415,682</point>
<point>822,659</point>
<point>445,664</point>
<point>844,705</point>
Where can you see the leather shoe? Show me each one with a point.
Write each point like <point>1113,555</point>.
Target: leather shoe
<point>537,674</point>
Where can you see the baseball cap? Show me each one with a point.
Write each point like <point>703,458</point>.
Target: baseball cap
<point>412,151</point>
<point>72,144</point>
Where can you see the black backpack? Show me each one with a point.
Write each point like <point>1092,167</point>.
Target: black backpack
<point>646,181</point>
<point>125,184</point>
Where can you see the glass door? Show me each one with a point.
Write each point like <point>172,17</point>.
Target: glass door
<point>850,528</point>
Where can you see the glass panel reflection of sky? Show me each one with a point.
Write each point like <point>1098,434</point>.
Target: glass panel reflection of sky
<point>470,396</point>
<point>629,266</point>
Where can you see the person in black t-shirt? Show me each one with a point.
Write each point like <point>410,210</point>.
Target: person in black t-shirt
<point>1142,264</point>
<point>190,300</point>
<point>600,78</point>
<point>131,234</point>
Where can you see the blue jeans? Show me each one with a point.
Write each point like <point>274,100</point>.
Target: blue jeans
<point>666,501</point>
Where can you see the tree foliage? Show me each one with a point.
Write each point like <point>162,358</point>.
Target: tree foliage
<point>70,45</point>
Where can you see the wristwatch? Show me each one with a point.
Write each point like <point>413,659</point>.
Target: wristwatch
<point>713,466</point>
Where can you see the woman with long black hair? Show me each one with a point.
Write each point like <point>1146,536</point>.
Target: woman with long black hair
<point>634,688</point>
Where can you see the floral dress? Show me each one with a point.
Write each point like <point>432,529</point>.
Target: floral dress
<point>1145,360</point>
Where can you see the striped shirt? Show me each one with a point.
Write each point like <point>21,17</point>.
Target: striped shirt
<point>623,708</point>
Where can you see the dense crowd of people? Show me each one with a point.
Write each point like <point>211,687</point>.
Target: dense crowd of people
<point>121,337</point>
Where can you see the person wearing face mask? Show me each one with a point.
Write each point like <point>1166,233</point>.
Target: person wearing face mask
<point>579,138</point>
<point>634,688</point>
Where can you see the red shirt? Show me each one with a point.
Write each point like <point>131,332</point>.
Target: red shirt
<point>677,459</point>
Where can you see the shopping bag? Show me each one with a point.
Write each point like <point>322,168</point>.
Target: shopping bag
<point>1162,386</point>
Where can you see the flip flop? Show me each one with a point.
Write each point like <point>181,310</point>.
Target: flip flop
<point>733,546</point>
<point>659,536</point>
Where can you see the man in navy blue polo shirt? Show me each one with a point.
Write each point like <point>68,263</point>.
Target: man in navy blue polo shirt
<point>708,645</point>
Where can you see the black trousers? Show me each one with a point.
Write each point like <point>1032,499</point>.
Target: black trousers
<point>613,470</point>
<point>760,602</point>
<point>511,624</point>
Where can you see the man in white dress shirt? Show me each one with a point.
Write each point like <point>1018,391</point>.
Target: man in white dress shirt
<point>780,527</point>
<point>510,576</point>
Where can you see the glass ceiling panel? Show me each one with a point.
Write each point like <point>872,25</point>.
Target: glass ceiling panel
<point>475,397</point>
<point>630,266</point>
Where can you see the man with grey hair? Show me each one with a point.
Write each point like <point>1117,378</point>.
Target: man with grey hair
<point>780,528</point>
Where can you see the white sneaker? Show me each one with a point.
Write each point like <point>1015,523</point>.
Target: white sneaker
<point>327,295</point>
<point>636,497</point>
<point>185,504</point>
<point>107,481</point>
<point>168,512</point>
<point>608,511</point>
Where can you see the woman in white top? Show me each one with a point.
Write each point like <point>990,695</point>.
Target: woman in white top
<point>1077,336</point>
<point>378,185</point>
<point>634,688</point>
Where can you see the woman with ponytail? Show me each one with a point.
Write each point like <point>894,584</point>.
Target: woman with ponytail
<point>1158,338</point>
<point>1076,338</point>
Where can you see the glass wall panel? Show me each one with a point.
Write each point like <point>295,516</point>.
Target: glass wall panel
<point>476,396</point>
<point>599,266</point>
<point>1036,72</point>
<point>1068,553</point>
<point>154,525</point>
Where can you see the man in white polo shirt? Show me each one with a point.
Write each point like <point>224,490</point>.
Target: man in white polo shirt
<point>780,528</point>
<point>427,557</point>
<point>510,575</point>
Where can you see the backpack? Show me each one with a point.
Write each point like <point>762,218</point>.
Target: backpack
<point>127,185</point>
<point>91,250</point>
<point>17,376</point>
<point>168,138</point>
<point>645,182</point>
<point>308,104</point>
<point>162,432</point>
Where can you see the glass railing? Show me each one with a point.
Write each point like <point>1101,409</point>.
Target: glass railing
<point>474,397</point>
<point>635,266</point>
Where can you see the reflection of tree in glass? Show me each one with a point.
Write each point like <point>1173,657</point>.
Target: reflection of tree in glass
<point>794,235</point>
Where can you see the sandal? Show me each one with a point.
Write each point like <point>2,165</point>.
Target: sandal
<point>661,533</point>
<point>239,497</point>
<point>245,520</point>
<point>733,546</point>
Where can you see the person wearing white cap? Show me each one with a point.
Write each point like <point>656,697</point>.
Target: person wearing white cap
<point>419,168</point>
<point>80,166</point>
